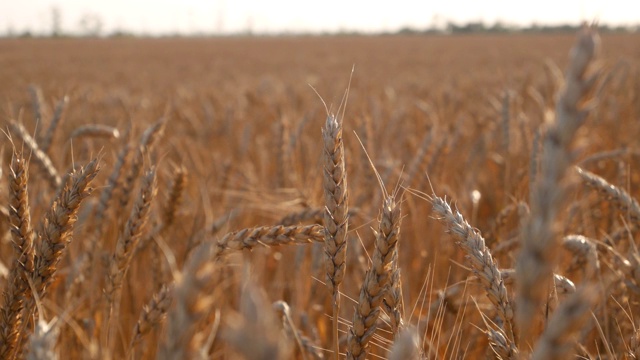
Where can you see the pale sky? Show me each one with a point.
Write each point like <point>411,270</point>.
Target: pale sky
<point>189,16</point>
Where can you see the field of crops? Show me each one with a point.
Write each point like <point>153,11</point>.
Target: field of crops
<point>467,197</point>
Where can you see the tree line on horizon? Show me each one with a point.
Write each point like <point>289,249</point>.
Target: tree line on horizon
<point>91,25</point>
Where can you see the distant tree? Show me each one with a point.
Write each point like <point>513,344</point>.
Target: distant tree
<point>90,25</point>
<point>471,27</point>
<point>120,33</point>
<point>56,22</point>
<point>499,27</point>
<point>10,31</point>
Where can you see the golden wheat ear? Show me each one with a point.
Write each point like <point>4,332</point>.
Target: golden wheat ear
<point>540,241</point>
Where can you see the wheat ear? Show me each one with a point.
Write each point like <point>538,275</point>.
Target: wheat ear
<point>393,301</point>
<point>152,315</point>
<point>41,158</point>
<point>126,245</point>
<point>38,104</point>
<point>619,197</point>
<point>42,343</point>
<point>58,224</point>
<point>18,290</point>
<point>306,345</point>
<point>191,300</point>
<point>95,131</point>
<point>47,139</point>
<point>539,241</point>
<point>315,215</point>
<point>585,254</point>
<point>310,215</point>
<point>482,263</point>
<point>175,197</point>
<point>267,236</point>
<point>251,332</point>
<point>336,216</point>
<point>563,285</point>
<point>57,230</point>
<point>406,346</point>
<point>148,138</point>
<point>557,340</point>
<point>377,279</point>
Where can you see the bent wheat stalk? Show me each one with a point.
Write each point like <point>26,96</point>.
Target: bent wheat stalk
<point>619,197</point>
<point>482,263</point>
<point>268,236</point>
<point>41,158</point>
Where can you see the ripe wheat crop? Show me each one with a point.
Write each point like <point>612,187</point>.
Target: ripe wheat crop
<point>467,197</point>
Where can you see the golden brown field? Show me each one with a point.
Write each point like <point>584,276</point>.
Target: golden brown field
<point>209,214</point>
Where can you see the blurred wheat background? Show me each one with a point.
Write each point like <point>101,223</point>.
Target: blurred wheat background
<point>472,196</point>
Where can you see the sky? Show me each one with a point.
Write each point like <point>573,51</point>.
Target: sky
<point>274,16</point>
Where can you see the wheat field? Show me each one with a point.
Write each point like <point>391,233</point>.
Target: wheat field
<point>401,197</point>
